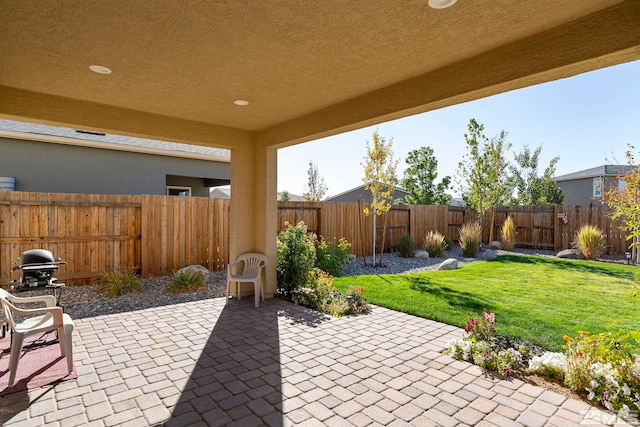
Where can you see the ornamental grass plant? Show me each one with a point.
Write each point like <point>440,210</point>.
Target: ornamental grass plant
<point>117,283</point>
<point>186,281</point>
<point>508,234</point>
<point>435,244</point>
<point>470,234</point>
<point>590,241</point>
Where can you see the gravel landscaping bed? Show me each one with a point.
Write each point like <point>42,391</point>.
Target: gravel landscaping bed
<point>84,301</point>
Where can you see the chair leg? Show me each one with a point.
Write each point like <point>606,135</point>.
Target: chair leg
<point>16,350</point>
<point>256,291</point>
<point>238,289</point>
<point>227,293</point>
<point>68,338</point>
<point>262,290</point>
<point>62,339</point>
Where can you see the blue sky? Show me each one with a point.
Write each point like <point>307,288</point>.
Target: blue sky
<point>587,120</point>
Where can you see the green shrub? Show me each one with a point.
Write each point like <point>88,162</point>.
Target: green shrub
<point>470,234</point>
<point>117,283</point>
<point>186,281</point>
<point>590,241</point>
<point>448,244</point>
<point>296,258</point>
<point>435,244</point>
<point>508,234</point>
<point>320,294</point>
<point>405,247</point>
<point>331,256</point>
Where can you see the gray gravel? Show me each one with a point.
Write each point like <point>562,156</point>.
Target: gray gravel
<point>84,301</point>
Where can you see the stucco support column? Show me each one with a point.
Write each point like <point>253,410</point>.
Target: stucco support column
<point>253,216</point>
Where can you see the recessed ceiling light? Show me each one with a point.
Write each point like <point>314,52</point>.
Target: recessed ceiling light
<point>241,102</point>
<point>441,4</point>
<point>99,69</point>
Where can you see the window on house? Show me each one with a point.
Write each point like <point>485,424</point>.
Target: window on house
<point>178,191</point>
<point>598,187</point>
<point>622,185</point>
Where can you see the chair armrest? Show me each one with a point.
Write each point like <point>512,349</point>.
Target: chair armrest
<point>48,300</point>
<point>55,311</point>
<point>231,266</point>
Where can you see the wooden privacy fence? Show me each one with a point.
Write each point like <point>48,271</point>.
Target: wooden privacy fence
<point>539,227</point>
<point>153,235</point>
<point>156,235</point>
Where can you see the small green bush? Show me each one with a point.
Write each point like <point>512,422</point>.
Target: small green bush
<point>435,244</point>
<point>590,241</point>
<point>186,281</point>
<point>470,234</point>
<point>508,234</point>
<point>331,256</point>
<point>448,244</point>
<point>117,283</point>
<point>320,294</point>
<point>296,258</point>
<point>405,247</point>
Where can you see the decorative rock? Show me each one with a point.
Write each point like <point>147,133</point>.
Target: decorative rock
<point>488,254</point>
<point>448,264</point>
<point>570,254</point>
<point>422,254</point>
<point>198,269</point>
<point>496,245</point>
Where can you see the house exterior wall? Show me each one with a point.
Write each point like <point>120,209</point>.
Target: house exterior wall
<point>580,191</point>
<point>58,168</point>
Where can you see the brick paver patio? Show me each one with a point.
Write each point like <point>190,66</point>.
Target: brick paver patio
<point>204,364</point>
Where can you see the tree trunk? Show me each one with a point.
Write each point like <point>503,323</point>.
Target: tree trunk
<point>384,236</point>
<point>361,230</point>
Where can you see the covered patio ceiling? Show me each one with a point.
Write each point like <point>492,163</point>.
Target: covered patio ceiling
<point>307,69</point>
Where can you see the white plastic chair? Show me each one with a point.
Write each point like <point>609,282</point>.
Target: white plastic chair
<point>251,272</point>
<point>38,320</point>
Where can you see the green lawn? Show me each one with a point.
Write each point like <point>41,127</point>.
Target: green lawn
<point>536,299</point>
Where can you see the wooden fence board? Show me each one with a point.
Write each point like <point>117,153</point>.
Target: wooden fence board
<point>156,235</point>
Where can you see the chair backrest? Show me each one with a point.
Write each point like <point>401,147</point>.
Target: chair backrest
<point>6,307</point>
<point>252,263</point>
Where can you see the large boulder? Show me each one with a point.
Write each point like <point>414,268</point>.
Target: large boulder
<point>570,254</point>
<point>496,245</point>
<point>488,254</point>
<point>197,269</point>
<point>422,254</point>
<point>448,264</point>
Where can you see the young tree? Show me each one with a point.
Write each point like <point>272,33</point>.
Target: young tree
<point>625,202</point>
<point>419,179</point>
<point>483,172</point>
<point>285,196</point>
<point>533,190</point>
<point>380,179</point>
<point>316,188</point>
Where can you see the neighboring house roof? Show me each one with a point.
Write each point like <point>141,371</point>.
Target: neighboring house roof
<point>361,193</point>
<point>60,135</point>
<point>224,192</point>
<point>292,197</point>
<point>604,170</point>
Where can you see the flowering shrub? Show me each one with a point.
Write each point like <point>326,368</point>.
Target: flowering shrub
<point>481,328</point>
<point>296,257</point>
<point>550,364</point>
<point>479,346</point>
<point>603,366</point>
<point>320,294</point>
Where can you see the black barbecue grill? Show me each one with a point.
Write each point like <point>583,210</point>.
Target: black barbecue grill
<point>37,267</point>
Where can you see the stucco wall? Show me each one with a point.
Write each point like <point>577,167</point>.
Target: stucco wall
<point>580,191</point>
<point>46,167</point>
